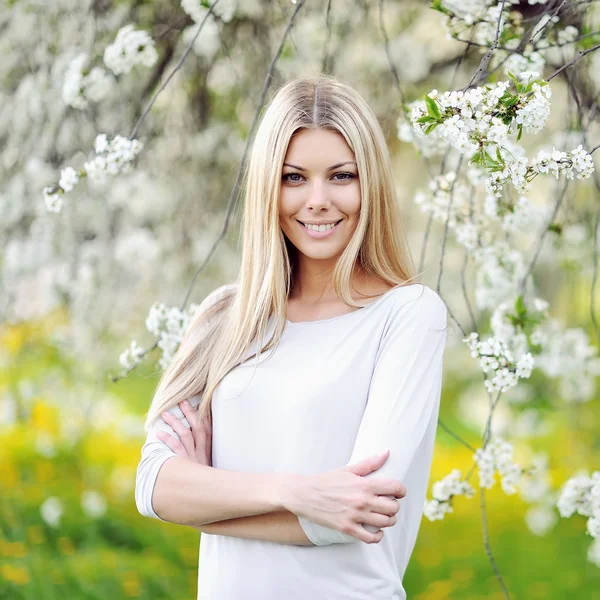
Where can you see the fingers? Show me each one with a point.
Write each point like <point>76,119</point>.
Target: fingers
<point>369,464</point>
<point>362,534</point>
<point>185,435</point>
<point>387,487</point>
<point>378,520</point>
<point>172,442</point>
<point>385,505</point>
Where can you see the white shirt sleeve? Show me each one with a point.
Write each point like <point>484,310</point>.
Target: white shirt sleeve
<point>155,452</point>
<point>403,396</point>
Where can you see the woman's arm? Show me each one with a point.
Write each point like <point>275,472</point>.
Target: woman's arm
<point>195,444</point>
<point>172,494</point>
<point>280,526</point>
<point>404,396</point>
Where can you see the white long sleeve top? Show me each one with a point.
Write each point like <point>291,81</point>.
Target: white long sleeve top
<point>333,392</point>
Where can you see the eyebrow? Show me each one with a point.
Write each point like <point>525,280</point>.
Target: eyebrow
<point>348,162</point>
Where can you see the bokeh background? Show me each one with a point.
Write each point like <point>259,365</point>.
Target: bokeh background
<point>76,286</point>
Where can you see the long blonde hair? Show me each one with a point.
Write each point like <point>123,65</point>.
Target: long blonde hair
<point>237,314</point>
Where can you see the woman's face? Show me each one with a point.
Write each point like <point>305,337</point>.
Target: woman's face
<point>319,184</point>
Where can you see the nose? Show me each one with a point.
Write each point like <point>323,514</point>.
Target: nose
<point>318,197</point>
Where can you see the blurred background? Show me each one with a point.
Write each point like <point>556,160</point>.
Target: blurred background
<point>77,285</point>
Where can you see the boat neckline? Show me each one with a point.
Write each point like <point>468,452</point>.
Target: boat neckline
<point>370,305</point>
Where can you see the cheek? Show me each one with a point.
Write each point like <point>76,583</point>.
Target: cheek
<point>351,198</point>
<point>287,202</point>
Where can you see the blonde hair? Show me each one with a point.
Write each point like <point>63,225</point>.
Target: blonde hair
<point>233,317</point>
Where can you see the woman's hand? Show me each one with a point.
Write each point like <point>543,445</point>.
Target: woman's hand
<point>344,500</point>
<point>195,442</point>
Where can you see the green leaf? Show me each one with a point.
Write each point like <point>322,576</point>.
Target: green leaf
<point>432,108</point>
<point>426,119</point>
<point>489,161</point>
<point>520,130</point>
<point>430,128</point>
<point>499,156</point>
<point>555,228</point>
<point>520,306</point>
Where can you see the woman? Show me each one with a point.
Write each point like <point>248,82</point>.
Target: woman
<point>305,465</point>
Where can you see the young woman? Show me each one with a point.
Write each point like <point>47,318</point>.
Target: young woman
<point>296,424</point>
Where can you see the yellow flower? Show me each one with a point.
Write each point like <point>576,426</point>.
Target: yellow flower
<point>44,417</point>
<point>131,584</point>
<point>13,339</point>
<point>14,549</point>
<point>36,534</point>
<point>15,574</point>
<point>66,545</point>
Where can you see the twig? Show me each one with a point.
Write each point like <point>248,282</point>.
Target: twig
<point>455,435</point>
<point>543,235</point>
<point>488,55</point>
<point>577,57</point>
<point>325,61</point>
<point>446,224</point>
<point>386,45</point>
<point>593,303</point>
<point>172,73</point>
<point>486,542</point>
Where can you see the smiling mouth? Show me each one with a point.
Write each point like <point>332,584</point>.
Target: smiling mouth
<point>334,223</point>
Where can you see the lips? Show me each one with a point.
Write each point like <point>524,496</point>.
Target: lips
<point>317,224</point>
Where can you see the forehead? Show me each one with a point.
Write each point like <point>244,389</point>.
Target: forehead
<point>318,145</point>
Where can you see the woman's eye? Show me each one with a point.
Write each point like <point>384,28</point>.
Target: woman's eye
<point>288,177</point>
<point>346,176</point>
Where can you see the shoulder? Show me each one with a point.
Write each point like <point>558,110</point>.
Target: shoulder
<point>212,300</point>
<point>418,302</point>
<point>223,291</point>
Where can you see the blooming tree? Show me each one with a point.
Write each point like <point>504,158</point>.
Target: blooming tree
<point>124,121</point>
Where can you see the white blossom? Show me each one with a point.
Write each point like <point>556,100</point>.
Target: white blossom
<point>593,554</point>
<point>52,511</point>
<point>540,519</point>
<point>131,356</point>
<point>53,197</point>
<point>130,48</point>
<point>80,87</point>
<point>497,456</point>
<point>68,179</point>
<point>112,157</point>
<point>169,325</point>
<point>443,492</point>
<point>224,9</point>
<point>93,503</point>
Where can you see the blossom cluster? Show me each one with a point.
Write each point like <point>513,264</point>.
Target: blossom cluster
<point>497,455</point>
<point>568,355</point>
<point>477,21</point>
<point>464,118</point>
<point>131,47</point>
<point>517,325</point>
<point>536,489</point>
<point>495,357</point>
<point>485,115</point>
<point>80,86</point>
<point>112,157</point>
<point>224,9</point>
<point>443,492</point>
<point>581,495</point>
<point>131,356</point>
<point>556,163</point>
<point>168,325</point>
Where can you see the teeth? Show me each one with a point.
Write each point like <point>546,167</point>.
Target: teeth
<point>320,227</point>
